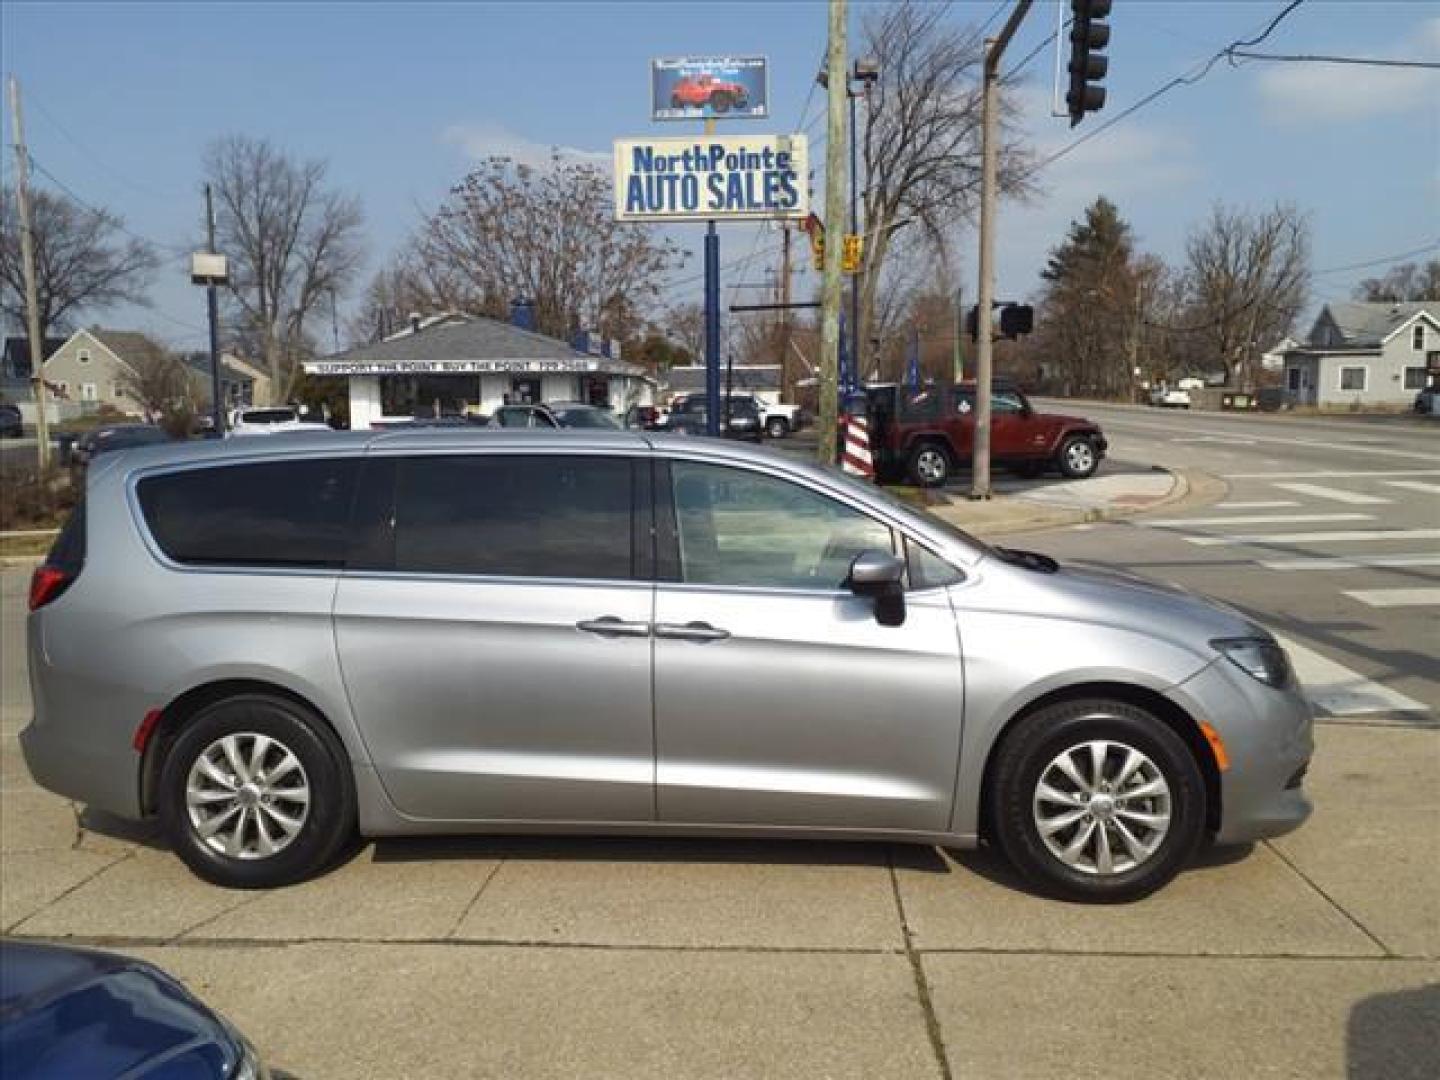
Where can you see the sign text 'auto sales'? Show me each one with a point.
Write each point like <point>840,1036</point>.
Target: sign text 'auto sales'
<point>711,177</point>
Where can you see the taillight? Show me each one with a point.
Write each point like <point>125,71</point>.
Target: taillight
<point>46,584</point>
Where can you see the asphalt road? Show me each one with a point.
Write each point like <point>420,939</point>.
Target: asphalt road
<point>1327,532</point>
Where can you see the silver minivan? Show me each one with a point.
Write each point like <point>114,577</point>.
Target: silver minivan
<point>273,643</point>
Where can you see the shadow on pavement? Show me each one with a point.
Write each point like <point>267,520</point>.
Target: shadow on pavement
<point>987,863</point>
<point>1394,1036</point>
<point>662,850</point>
<point>146,833</point>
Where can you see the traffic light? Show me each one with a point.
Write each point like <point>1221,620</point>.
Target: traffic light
<point>1089,34</point>
<point>1016,320</point>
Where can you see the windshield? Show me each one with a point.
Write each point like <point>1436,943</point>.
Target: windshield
<point>933,521</point>
<point>587,418</point>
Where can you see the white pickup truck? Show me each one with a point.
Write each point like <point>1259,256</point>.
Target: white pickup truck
<point>272,420</point>
<point>776,420</point>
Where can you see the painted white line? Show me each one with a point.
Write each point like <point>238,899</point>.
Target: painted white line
<point>1319,491</point>
<point>1250,437</point>
<point>1396,597</point>
<point>1336,690</point>
<point>1328,475</point>
<point>1414,485</point>
<point>1353,562</point>
<point>1318,537</point>
<point>1271,504</point>
<point>1257,519</point>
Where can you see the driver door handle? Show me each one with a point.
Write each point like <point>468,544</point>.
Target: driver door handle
<point>613,626</point>
<point>692,631</point>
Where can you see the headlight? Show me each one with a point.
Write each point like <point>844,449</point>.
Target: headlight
<point>250,1066</point>
<point>1259,658</point>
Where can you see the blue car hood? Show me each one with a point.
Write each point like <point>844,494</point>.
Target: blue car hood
<point>76,1012</point>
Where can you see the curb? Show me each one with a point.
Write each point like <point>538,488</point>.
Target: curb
<point>20,562</point>
<point>1191,487</point>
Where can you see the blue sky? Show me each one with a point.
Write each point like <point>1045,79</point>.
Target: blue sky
<point>121,100</point>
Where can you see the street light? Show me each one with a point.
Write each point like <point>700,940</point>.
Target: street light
<point>211,269</point>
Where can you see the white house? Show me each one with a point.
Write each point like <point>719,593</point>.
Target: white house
<point>1366,354</point>
<point>460,365</point>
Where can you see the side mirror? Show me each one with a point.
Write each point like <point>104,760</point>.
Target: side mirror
<point>880,576</point>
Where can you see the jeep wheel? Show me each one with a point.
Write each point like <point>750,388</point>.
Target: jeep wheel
<point>929,465</point>
<point>777,427</point>
<point>676,102</point>
<point>1077,458</point>
<point>720,102</point>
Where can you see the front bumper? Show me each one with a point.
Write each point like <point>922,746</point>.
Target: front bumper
<point>1269,737</point>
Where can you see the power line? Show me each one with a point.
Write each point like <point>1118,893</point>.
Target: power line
<point>1434,245</point>
<point>1313,58</point>
<point>1009,76</point>
<point>115,218</point>
<point>98,159</point>
<point>994,15</point>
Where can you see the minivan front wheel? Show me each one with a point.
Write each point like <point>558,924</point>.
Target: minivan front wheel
<point>255,793</point>
<point>1096,801</point>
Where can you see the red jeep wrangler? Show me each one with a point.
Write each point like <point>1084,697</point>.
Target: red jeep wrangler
<point>697,91</point>
<point>924,435</point>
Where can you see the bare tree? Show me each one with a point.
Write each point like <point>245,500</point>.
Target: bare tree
<point>293,244</point>
<point>550,235</point>
<point>685,325</point>
<point>1407,281</point>
<point>921,142</point>
<point>159,381</point>
<point>1248,276</point>
<point>83,260</point>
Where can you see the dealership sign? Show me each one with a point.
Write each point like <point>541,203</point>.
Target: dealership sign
<point>703,87</point>
<point>579,366</point>
<point>711,178</point>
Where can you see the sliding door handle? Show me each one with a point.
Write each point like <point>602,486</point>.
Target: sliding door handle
<point>692,631</point>
<point>613,626</point>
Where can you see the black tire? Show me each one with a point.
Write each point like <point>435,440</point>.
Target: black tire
<point>328,818</point>
<point>720,102</point>
<point>929,465</point>
<point>777,427</point>
<point>1077,457</point>
<point>1027,755</point>
<point>676,102</point>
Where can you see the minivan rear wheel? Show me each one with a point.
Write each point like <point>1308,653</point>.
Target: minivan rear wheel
<point>255,793</point>
<point>1096,801</point>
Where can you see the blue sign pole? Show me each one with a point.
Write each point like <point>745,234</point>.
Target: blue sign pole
<point>912,371</point>
<point>712,331</point>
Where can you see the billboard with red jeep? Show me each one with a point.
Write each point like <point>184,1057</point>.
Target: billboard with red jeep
<point>707,87</point>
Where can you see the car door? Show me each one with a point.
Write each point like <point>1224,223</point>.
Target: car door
<point>779,699</point>
<point>493,629</point>
<point>1014,433</point>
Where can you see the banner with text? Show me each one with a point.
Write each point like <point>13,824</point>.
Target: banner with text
<point>711,177</point>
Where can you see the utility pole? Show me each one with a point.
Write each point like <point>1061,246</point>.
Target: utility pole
<point>960,334</point>
<point>787,388</point>
<point>836,90</point>
<point>990,153</point>
<point>32,301</point>
<point>212,301</point>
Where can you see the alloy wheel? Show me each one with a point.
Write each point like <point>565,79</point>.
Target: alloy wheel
<point>247,796</point>
<point>1102,807</point>
<point>1081,456</point>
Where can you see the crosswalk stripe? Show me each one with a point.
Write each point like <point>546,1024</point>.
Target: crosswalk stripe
<point>1337,691</point>
<point>1361,474</point>
<point>1352,562</point>
<point>1414,485</point>
<point>1319,491</point>
<point>1318,537</point>
<point>1388,598</point>
<point>1273,504</point>
<point>1256,519</point>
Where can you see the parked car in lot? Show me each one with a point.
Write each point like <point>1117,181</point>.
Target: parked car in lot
<point>741,419</point>
<point>643,418</point>
<point>493,632</point>
<point>12,425</point>
<point>1170,397</point>
<point>1427,401</point>
<point>269,421</point>
<point>925,436</point>
<point>113,437</point>
<point>67,1012</point>
<point>557,414</point>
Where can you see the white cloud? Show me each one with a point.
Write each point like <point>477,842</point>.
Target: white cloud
<point>1301,93</point>
<point>479,141</point>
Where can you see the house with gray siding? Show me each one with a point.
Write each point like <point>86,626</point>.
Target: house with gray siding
<point>1366,354</point>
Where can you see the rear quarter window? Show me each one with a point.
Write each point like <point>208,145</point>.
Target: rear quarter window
<point>276,513</point>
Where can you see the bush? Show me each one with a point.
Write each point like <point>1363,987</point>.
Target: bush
<point>27,502</point>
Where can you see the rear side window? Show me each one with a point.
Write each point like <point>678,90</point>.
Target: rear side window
<point>280,513</point>
<point>515,516</point>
